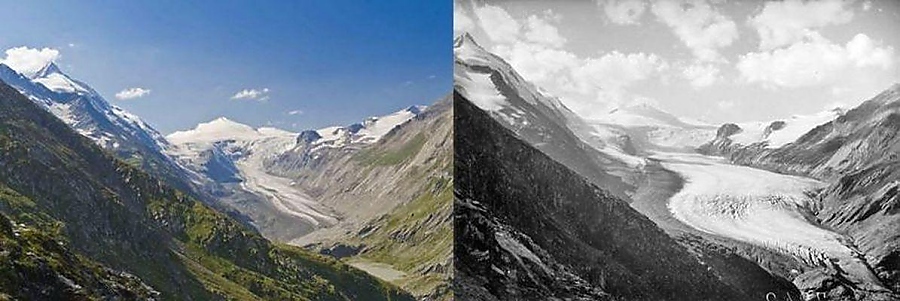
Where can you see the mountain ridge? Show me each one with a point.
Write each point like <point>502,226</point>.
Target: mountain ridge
<point>857,154</point>
<point>114,213</point>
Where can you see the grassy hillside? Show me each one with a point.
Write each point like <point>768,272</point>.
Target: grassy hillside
<point>394,197</point>
<point>117,215</point>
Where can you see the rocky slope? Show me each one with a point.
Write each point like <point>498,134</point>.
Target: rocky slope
<point>375,194</point>
<point>88,113</point>
<point>527,227</point>
<point>124,219</point>
<point>392,198</point>
<point>231,156</point>
<point>37,263</point>
<point>622,144</point>
<point>606,159</point>
<point>857,154</point>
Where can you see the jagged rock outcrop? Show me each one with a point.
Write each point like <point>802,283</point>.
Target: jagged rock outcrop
<point>722,144</point>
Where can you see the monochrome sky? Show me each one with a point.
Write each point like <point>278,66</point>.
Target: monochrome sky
<point>291,64</point>
<point>714,60</point>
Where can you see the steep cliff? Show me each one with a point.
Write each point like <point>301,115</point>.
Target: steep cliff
<point>527,227</point>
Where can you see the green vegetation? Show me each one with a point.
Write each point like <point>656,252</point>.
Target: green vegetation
<point>417,236</point>
<point>378,157</point>
<point>69,192</point>
<point>36,262</point>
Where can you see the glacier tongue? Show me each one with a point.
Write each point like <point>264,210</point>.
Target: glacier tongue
<point>761,208</point>
<point>235,156</point>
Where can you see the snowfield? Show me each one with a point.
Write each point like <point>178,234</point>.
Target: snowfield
<point>757,207</point>
<point>793,128</point>
<point>249,148</point>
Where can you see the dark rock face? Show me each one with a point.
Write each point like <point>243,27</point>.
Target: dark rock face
<point>38,265</point>
<point>772,127</point>
<point>414,109</point>
<point>728,129</point>
<point>722,144</point>
<point>308,136</point>
<point>218,167</point>
<point>354,128</point>
<point>527,227</point>
<point>858,153</point>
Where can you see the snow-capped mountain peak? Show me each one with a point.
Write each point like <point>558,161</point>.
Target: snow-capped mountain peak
<point>465,40</point>
<point>223,129</point>
<point>781,132</point>
<point>52,78</point>
<point>646,114</point>
<point>89,114</point>
<point>45,71</point>
<point>371,130</point>
<point>83,109</point>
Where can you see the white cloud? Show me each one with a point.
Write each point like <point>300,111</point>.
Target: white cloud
<point>820,62</point>
<point>536,62</point>
<point>726,104</point>
<point>252,94</point>
<point>461,21</point>
<point>497,24</point>
<point>699,26</point>
<point>538,30</point>
<point>295,112</point>
<point>615,70</point>
<point>783,23</point>
<point>132,93</point>
<point>701,75</point>
<point>29,61</point>
<point>588,85</point>
<point>623,11</point>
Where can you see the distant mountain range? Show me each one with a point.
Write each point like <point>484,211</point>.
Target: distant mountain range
<point>258,177</point>
<point>856,154</point>
<point>524,218</point>
<point>81,224</point>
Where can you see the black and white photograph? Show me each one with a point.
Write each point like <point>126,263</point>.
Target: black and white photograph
<point>677,150</point>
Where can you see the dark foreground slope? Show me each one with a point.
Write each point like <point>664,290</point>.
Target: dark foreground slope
<point>526,227</point>
<point>37,264</point>
<point>99,209</point>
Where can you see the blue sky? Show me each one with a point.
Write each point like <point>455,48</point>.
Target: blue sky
<point>713,60</point>
<point>335,61</point>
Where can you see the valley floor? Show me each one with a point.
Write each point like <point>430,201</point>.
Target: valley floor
<point>709,196</point>
<point>383,271</point>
